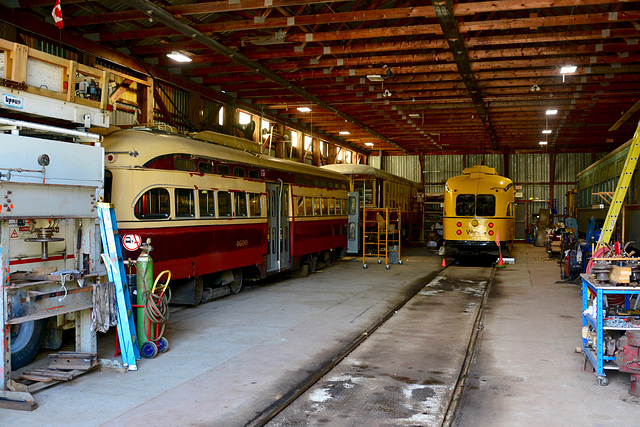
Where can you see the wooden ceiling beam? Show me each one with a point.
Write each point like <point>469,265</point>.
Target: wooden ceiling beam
<point>185,9</point>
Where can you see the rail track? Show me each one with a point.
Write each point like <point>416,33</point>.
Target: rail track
<point>453,297</point>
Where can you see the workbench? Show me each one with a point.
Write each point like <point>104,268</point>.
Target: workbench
<point>595,319</point>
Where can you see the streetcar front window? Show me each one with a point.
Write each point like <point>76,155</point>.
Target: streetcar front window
<point>486,205</point>
<point>465,205</point>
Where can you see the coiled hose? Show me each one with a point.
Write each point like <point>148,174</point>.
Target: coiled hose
<point>156,304</point>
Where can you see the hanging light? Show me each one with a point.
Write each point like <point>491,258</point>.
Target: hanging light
<point>178,56</point>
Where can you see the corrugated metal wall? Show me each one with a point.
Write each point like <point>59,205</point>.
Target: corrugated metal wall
<point>529,171</point>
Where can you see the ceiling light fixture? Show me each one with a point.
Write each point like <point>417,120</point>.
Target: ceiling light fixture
<point>543,142</point>
<point>414,115</point>
<point>304,109</point>
<point>552,112</point>
<point>369,144</point>
<point>375,77</point>
<point>344,132</point>
<point>567,69</point>
<point>178,56</point>
<point>546,131</point>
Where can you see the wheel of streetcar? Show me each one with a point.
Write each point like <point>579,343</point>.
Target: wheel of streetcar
<point>379,261</point>
<point>603,381</point>
<point>149,350</point>
<point>400,261</point>
<point>236,285</point>
<point>387,266</point>
<point>163,345</point>
<point>364,266</point>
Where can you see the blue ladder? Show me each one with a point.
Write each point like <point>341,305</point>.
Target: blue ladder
<point>112,257</point>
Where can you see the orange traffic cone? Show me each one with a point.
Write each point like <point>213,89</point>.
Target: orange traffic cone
<point>500,262</point>
<point>444,264</point>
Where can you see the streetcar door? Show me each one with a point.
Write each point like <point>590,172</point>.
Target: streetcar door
<point>278,222</point>
<point>353,233</point>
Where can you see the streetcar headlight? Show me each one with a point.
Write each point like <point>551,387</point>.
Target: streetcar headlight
<point>490,225</point>
<point>474,223</point>
<point>459,232</point>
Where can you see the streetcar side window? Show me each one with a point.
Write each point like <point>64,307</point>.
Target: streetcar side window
<point>465,204</point>
<point>324,203</point>
<point>254,174</point>
<point>241,204</point>
<point>223,170</point>
<point>299,201</point>
<point>316,206</point>
<point>308,205</point>
<point>205,167</point>
<point>185,203</point>
<point>486,205</point>
<point>239,172</point>
<point>154,204</point>
<point>207,203</point>
<point>254,204</point>
<point>224,204</point>
<point>183,164</point>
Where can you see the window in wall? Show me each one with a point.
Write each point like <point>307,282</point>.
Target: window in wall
<point>241,204</point>
<point>266,129</point>
<point>207,201</point>
<point>324,148</point>
<point>307,143</point>
<point>185,203</point>
<point>221,116</point>
<point>294,138</point>
<point>154,204</point>
<point>243,118</point>
<point>224,204</point>
<point>348,158</point>
<point>254,204</point>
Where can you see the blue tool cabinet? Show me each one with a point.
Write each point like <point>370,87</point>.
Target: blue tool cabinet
<point>595,353</point>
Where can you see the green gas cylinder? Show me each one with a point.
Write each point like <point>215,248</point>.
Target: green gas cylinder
<point>144,283</point>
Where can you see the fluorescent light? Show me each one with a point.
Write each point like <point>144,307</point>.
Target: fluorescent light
<point>552,112</point>
<point>414,115</point>
<point>546,131</point>
<point>179,57</point>
<point>568,69</point>
<point>344,132</point>
<point>369,144</point>
<point>375,77</point>
<point>304,109</point>
<point>543,142</point>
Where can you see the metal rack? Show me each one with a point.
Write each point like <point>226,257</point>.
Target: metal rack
<point>593,296</point>
<point>381,235</point>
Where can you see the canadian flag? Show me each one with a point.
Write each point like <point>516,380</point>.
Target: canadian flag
<point>57,15</point>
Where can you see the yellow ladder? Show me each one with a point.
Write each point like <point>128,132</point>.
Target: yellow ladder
<point>621,190</point>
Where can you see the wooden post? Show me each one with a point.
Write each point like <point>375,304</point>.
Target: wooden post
<point>145,102</point>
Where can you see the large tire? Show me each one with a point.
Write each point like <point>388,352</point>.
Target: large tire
<point>26,339</point>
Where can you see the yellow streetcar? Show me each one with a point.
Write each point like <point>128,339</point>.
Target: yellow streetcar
<point>479,210</point>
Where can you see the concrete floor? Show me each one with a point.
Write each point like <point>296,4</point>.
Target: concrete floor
<point>231,358</point>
